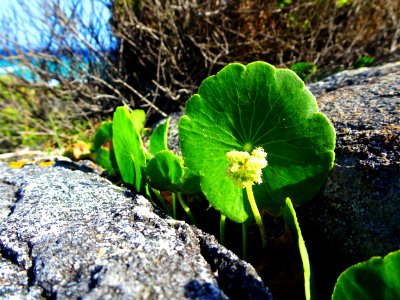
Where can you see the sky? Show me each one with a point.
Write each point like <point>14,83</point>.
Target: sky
<point>30,36</point>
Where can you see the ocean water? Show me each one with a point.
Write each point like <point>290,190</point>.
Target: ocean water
<point>18,69</point>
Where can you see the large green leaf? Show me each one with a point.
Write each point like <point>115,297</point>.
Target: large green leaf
<point>159,137</point>
<point>243,107</point>
<point>166,172</point>
<point>378,278</point>
<point>128,147</point>
<point>294,227</point>
<point>138,118</point>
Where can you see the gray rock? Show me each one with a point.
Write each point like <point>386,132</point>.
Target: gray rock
<point>72,234</point>
<point>357,214</point>
<point>361,76</point>
<point>359,207</point>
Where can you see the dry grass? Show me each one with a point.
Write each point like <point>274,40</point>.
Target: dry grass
<point>169,47</point>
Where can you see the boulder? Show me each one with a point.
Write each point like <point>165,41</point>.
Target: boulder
<point>66,232</point>
<point>357,214</point>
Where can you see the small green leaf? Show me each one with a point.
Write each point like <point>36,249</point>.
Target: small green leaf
<point>378,278</point>
<point>363,61</point>
<point>342,3</point>
<point>128,147</point>
<point>304,69</point>
<point>244,107</point>
<point>138,118</point>
<point>106,159</point>
<point>294,227</point>
<point>159,137</point>
<point>103,134</point>
<point>102,144</point>
<point>167,173</point>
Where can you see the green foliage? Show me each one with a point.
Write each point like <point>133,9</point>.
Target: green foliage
<point>27,121</point>
<point>138,117</point>
<point>102,144</point>
<point>292,223</point>
<point>159,138</point>
<point>378,278</point>
<point>120,150</point>
<point>363,61</point>
<point>103,134</point>
<point>167,172</point>
<point>342,3</point>
<point>128,147</point>
<point>16,127</point>
<point>305,70</point>
<point>244,107</point>
<point>283,3</point>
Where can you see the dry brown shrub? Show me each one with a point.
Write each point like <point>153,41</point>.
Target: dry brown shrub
<point>168,47</point>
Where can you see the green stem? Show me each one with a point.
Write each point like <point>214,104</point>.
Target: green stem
<point>186,208</point>
<point>148,195</point>
<point>222,230</point>
<point>174,205</point>
<point>162,201</point>
<point>244,241</point>
<point>256,214</point>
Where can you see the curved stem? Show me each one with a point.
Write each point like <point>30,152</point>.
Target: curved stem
<point>148,195</point>
<point>186,208</point>
<point>222,230</point>
<point>162,201</point>
<point>244,241</point>
<point>256,214</point>
<point>174,205</point>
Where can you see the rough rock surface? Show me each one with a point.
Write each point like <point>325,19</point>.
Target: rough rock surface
<point>362,76</point>
<point>357,214</point>
<point>72,234</point>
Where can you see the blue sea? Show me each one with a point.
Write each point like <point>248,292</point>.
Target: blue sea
<point>20,70</point>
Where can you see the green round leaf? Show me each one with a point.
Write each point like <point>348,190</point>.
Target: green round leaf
<point>166,172</point>
<point>243,107</point>
<point>128,148</point>
<point>378,278</point>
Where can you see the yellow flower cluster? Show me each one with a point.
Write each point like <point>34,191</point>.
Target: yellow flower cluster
<point>246,169</point>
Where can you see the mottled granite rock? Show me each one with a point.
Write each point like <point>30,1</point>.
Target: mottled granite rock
<point>72,234</point>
